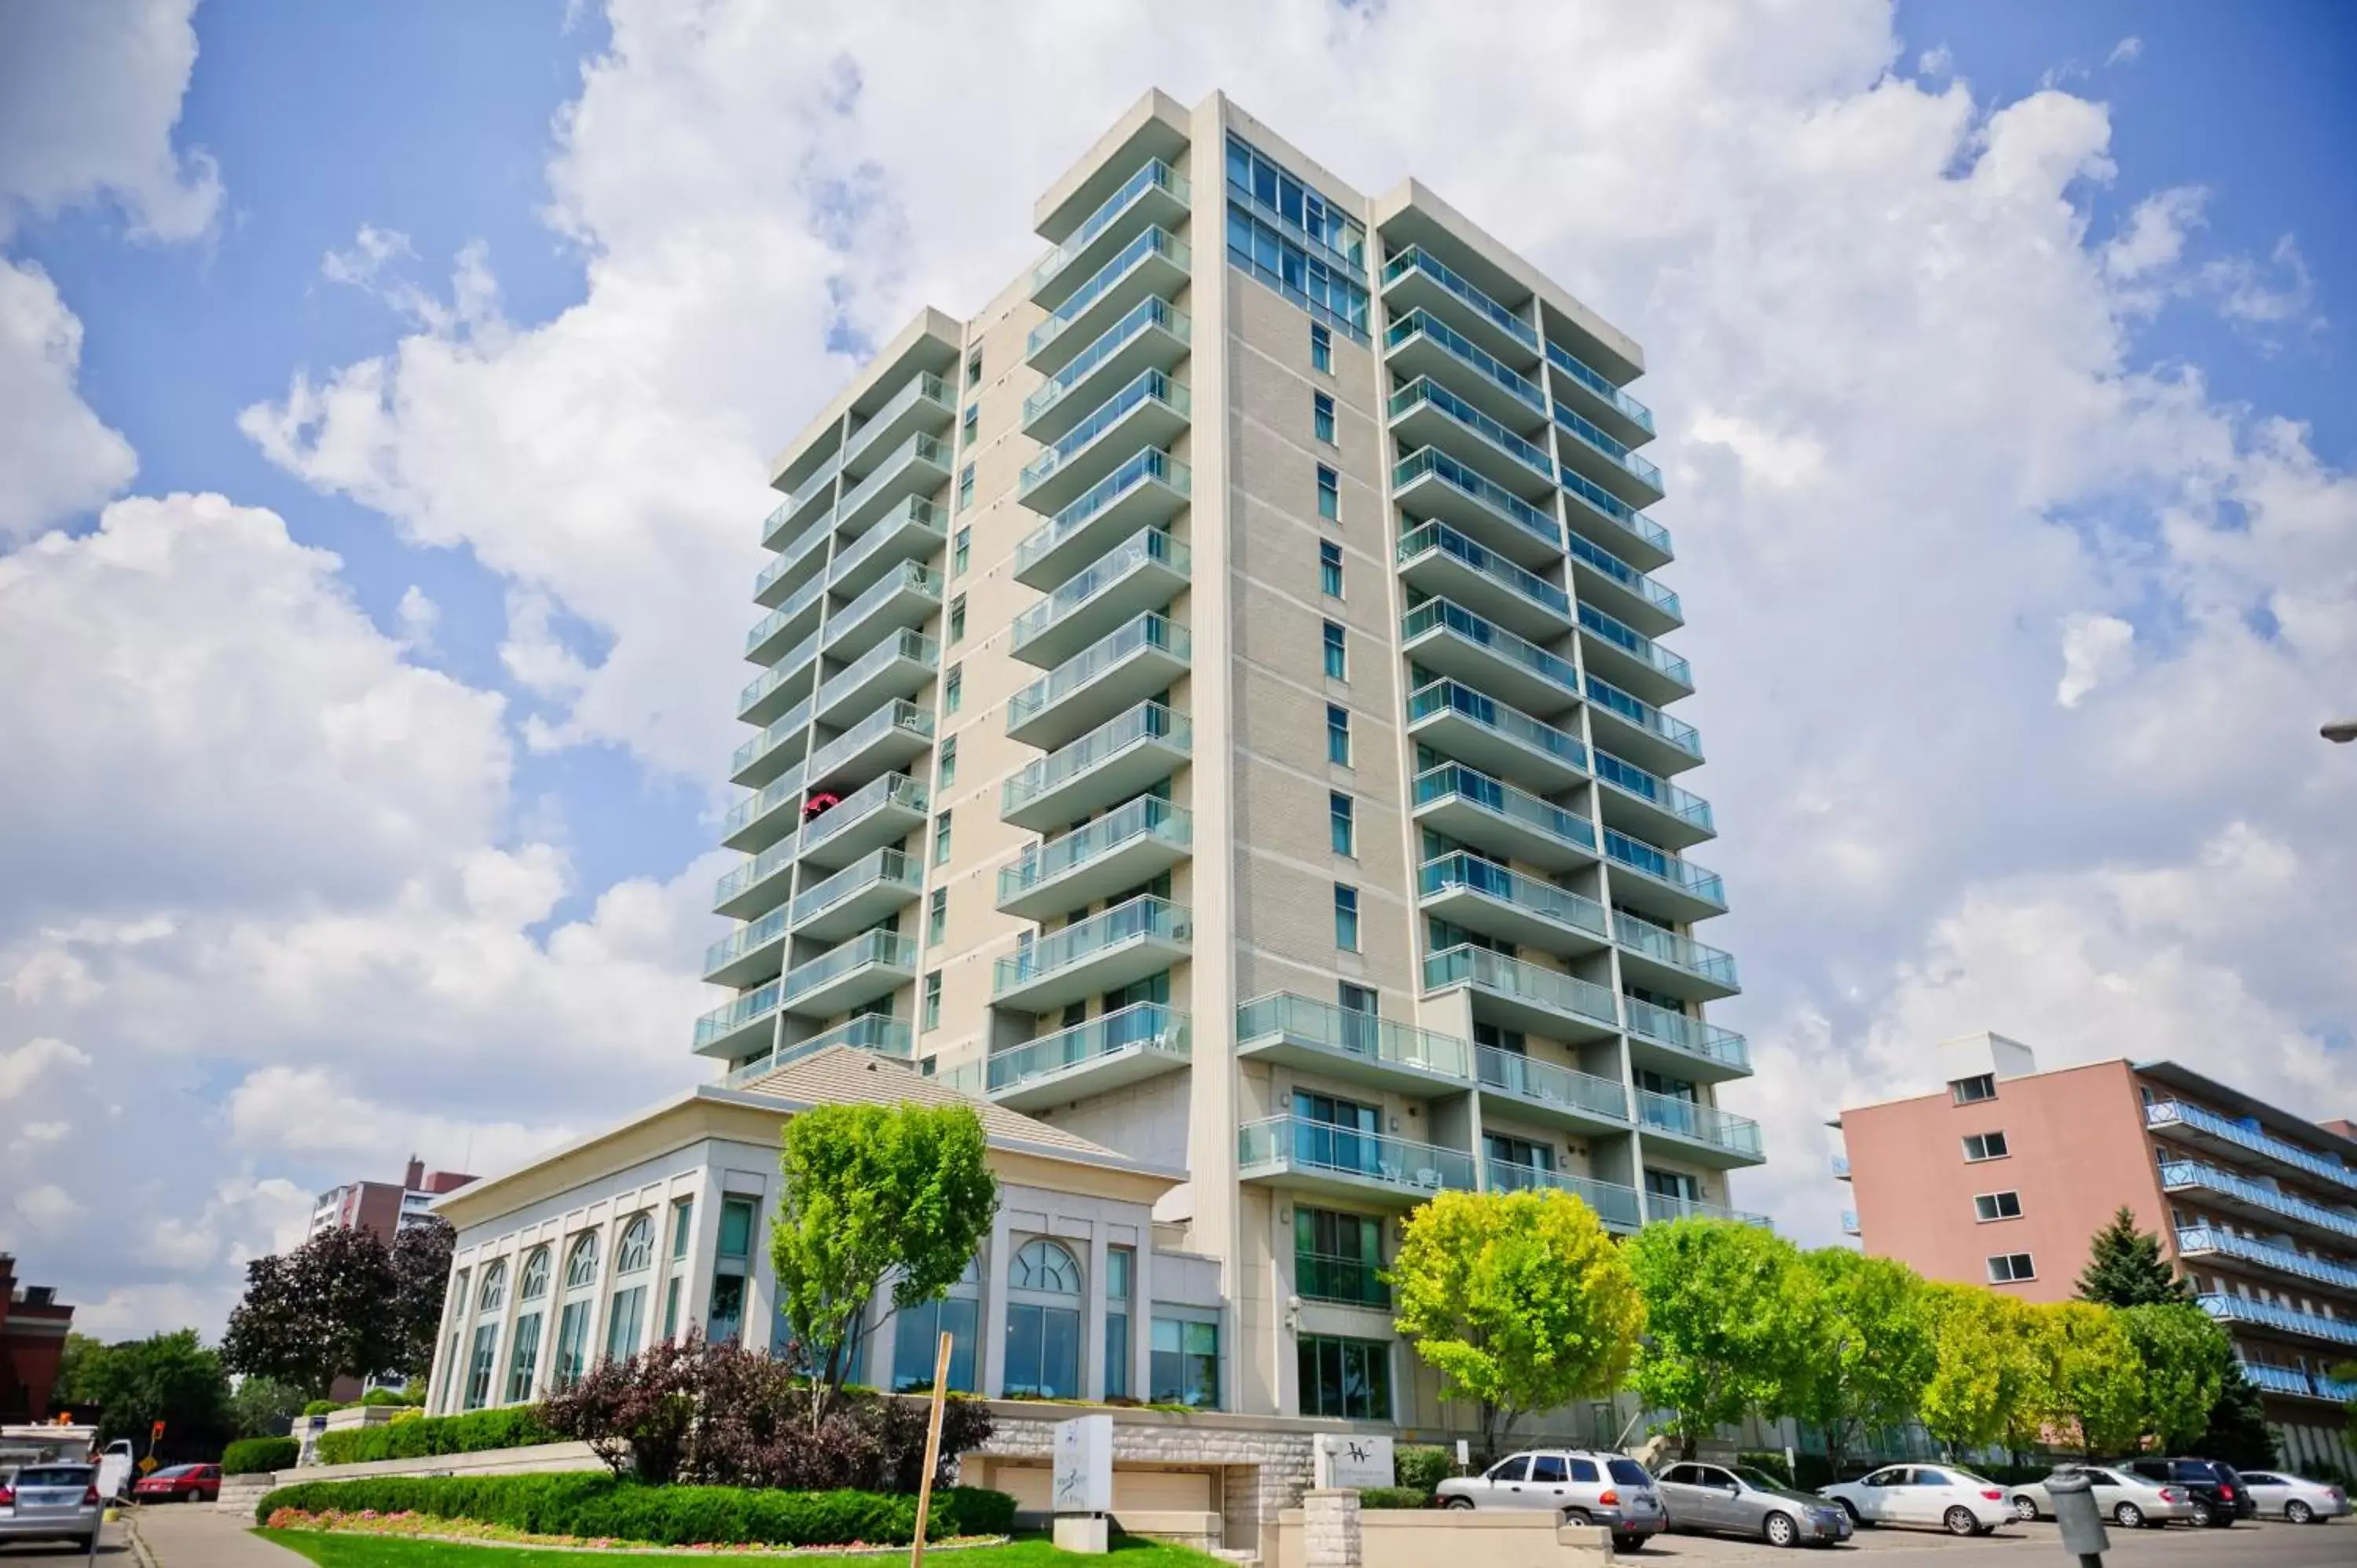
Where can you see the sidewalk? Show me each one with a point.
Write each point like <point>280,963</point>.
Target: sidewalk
<point>192,1535</point>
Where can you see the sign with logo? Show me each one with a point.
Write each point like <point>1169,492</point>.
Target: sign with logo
<point>1083,1474</point>
<point>1345,1459</point>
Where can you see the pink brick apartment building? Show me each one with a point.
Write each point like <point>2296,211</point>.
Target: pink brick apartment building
<point>2002,1175</point>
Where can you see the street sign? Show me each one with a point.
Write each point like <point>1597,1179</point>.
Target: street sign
<point>147,1465</point>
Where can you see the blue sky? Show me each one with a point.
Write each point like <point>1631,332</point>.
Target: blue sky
<point>1973,558</point>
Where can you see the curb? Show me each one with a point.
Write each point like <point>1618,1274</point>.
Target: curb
<point>139,1547</point>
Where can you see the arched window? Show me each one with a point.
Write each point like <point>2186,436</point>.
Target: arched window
<point>1045,1266</point>
<point>637,1251</point>
<point>495,1287</point>
<point>1043,1321</point>
<point>533,1283</point>
<point>581,1262</point>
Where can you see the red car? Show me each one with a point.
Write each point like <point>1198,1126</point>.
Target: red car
<point>180,1484</point>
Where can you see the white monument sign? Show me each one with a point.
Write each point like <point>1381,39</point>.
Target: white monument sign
<point>1345,1459</point>
<point>1083,1474</point>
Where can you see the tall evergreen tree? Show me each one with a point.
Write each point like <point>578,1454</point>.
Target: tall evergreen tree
<point>2238,1427</point>
<point>2125,1267</point>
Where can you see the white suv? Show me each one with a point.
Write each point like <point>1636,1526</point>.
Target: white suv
<point>1580,1485</point>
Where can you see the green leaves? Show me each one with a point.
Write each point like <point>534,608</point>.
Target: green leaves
<point>2125,1267</point>
<point>1874,1354</point>
<point>1732,1323</point>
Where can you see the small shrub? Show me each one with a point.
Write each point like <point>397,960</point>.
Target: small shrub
<point>321,1407</point>
<point>258,1455</point>
<point>1423,1465</point>
<point>1395,1498</point>
<point>515,1426</point>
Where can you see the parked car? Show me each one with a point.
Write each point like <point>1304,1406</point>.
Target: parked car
<point>2298,1499</point>
<point>1583,1486</point>
<point>2213,1490</point>
<point>2127,1499</point>
<point>50,1502</point>
<point>1956,1500</point>
<point>1747,1501</point>
<point>180,1484</point>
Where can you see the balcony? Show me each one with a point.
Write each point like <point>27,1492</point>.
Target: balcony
<point>896,667</point>
<point>1450,639</point>
<point>1660,959</point>
<point>795,566</point>
<point>1633,661</point>
<point>1430,484</point>
<point>759,821</point>
<point>1605,519</point>
<point>767,755</point>
<point>1482,896</point>
<point>1591,393</point>
<point>1424,414</point>
<point>1113,762</point>
<point>791,599</point>
<point>2248,1199</point>
<point>913,531</point>
<point>1438,561</point>
<point>767,696</point>
<point>1140,936</point>
<point>866,969</point>
<point>2216,1241</point>
<point>788,526</point>
<point>1662,885</point>
<point>884,741</point>
<point>1138,661</point>
<point>874,1032</point>
<point>1146,491</point>
<point>925,404</point>
<point>1473,726</point>
<point>1475,808</point>
<point>737,1028</point>
<point>2234,1140</point>
<point>1639,731</point>
<point>1154,262</point>
<point>1356,1047</point>
<point>1415,279</point>
<point>1296,1152</point>
<point>902,599</point>
<point>873,817</point>
<point>914,469</point>
<point>1129,845</point>
<point>1839,1165</point>
<point>2314,1326</point>
<point>869,890</point>
<point>1144,572</point>
<point>750,955</point>
<point>1661,1205</point>
<point>1156,195</point>
<point>767,642</point>
<point>1651,807</point>
<point>1704,1135</point>
<point>1610,582</point>
<point>1682,1047</point>
<point>1615,1205</point>
<point>1114,1050</point>
<point>1568,1097</point>
<point>1421,344</point>
<point>757,885</point>
<point>1543,1002</point>
<point>1152,337</point>
<point>1849,1223</point>
<point>2291,1382</point>
<point>1344,1280</point>
<point>1587,449</point>
<point>1152,410</point>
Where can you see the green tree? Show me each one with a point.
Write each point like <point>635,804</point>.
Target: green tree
<point>1874,1354</point>
<point>873,1193</point>
<point>2187,1359</point>
<point>263,1407</point>
<point>2237,1431</point>
<point>1730,1324</point>
<point>1987,1384</point>
<point>420,1261</point>
<point>2125,1267</point>
<point>81,1351</point>
<point>319,1312</point>
<point>2342,1372</point>
<point>1520,1300</point>
<point>171,1377</point>
<point>2094,1380</point>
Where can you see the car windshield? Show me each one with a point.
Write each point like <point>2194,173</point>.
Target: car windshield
<point>1628,1473</point>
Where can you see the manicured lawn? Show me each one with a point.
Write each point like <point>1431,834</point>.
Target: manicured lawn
<point>355,1551</point>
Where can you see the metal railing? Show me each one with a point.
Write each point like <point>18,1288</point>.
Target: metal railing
<point>1285,1014</point>
<point>1631,779</point>
<point>888,949</point>
<point>875,1032</point>
<point>883,867</point>
<point>1147,386</point>
<point>747,1009</point>
<point>1544,1084</point>
<point>1595,557</point>
<point>1645,716</point>
<point>1587,434</point>
<point>2285,1260</point>
<point>908,577</point>
<point>2162,1114</point>
<point>1487,877</point>
<point>913,646</point>
<point>1637,644</point>
<point>1149,816</point>
<point>1154,241</point>
<point>2288,1320</point>
<point>892,789</point>
<point>1493,496</point>
<point>1148,1026</point>
<point>1680,1033</point>
<point>1594,381</point>
<point>1448,615</point>
<point>774,734</point>
<point>1146,544</point>
<point>918,447</point>
<point>1614,1204</point>
<point>1155,175</point>
<point>1302,1145</point>
<point>1146,632</point>
<point>1612,509</point>
<point>920,512</point>
<point>1488,562</point>
<point>897,714</point>
<point>1423,391</point>
<point>1142,917</point>
<point>1704,1124</point>
<point>1416,258</point>
<point>1151,465</point>
<point>1662,866</point>
<point>924,386</point>
<point>1146,722</point>
<point>1527,982</point>
<point>1502,800</point>
<point>2194,1173</point>
<point>1472,354</point>
<point>1146,314</point>
<point>1503,718</point>
<point>1673,948</point>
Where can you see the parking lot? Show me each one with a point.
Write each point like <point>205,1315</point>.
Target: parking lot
<point>2269,1545</point>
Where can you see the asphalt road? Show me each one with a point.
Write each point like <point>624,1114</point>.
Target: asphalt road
<point>114,1550</point>
<point>2264,1545</point>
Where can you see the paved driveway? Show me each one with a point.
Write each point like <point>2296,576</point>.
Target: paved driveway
<point>2275,1545</point>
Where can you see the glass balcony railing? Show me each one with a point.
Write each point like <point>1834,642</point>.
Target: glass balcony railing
<point>1635,780</point>
<point>773,735</point>
<point>2160,1115</point>
<point>1614,1204</point>
<point>923,387</point>
<point>1143,917</point>
<point>1416,258</point>
<point>2194,1173</point>
<point>887,1036</point>
<point>1594,382</point>
<point>1424,392</point>
<point>1502,800</point>
<point>1146,631</point>
<point>1476,358</point>
<point>1696,1038</point>
<point>913,646</point>
<point>1596,557</point>
<point>2299,1384</point>
<point>1646,716</point>
<point>1663,1205</point>
<point>1639,855</point>
<point>888,949</point>
<point>750,873</point>
<point>765,630</point>
<point>1547,988</point>
<point>1525,1078</point>
<point>909,578</point>
<point>2285,1319</point>
<point>892,789</point>
<point>898,714</point>
<point>1154,241</point>
<point>1302,1145</point>
<point>1328,1276</point>
<point>1637,646</point>
<point>1149,816</point>
<point>1441,613</point>
<point>744,1012</point>
<point>1283,1015</point>
<point>1587,434</point>
<point>1141,1026</point>
<point>1143,317</point>
<point>1703,1124</point>
<point>884,868</point>
<point>2193,1239</point>
<point>1154,175</point>
<point>1615,510</point>
<point>1513,507</point>
<point>1150,466</point>
<point>1149,386</point>
<point>745,940</point>
<point>796,602</point>
<point>1480,708</point>
<point>1147,721</point>
<point>918,512</point>
<point>1679,951</point>
<point>1542,899</point>
<point>1148,544</point>
<point>821,476</point>
<point>1488,562</point>
<point>917,448</point>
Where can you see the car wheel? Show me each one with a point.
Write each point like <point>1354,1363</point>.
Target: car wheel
<point>2130,1515</point>
<point>1856,1519</point>
<point>1961,1520</point>
<point>2202,1514</point>
<point>1779,1530</point>
<point>1628,1543</point>
<point>1577,1516</point>
<point>1461,1504</point>
<point>2025,1508</point>
<point>2298,1512</point>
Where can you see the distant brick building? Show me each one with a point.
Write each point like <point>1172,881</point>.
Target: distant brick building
<point>386,1207</point>
<point>33,1324</point>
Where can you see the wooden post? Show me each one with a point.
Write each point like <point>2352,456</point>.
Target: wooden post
<point>932,1451</point>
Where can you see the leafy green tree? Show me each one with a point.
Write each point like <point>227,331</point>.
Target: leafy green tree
<point>1732,1321</point>
<point>263,1407</point>
<point>2237,1431</point>
<point>1520,1300</point>
<point>171,1377</point>
<point>81,1352</point>
<point>1987,1384</point>
<point>2094,1380</point>
<point>321,1311</point>
<point>2187,1359</point>
<point>420,1261</point>
<point>873,1193</point>
<point>1874,1354</point>
<point>2125,1267</point>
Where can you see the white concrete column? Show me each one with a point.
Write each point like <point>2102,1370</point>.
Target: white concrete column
<point>990,1363</point>
<point>1330,1534</point>
<point>1092,1316</point>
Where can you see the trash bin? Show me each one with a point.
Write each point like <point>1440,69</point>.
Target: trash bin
<point>2075,1511</point>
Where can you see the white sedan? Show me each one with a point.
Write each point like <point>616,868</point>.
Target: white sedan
<point>2296,1499</point>
<point>2126,1498</point>
<point>1956,1500</point>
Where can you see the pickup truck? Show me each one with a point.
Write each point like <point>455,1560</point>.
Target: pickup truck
<point>71,1446</point>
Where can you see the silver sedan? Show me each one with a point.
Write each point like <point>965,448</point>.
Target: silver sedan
<point>2127,1499</point>
<point>49,1502</point>
<point>1740,1500</point>
<point>2294,1497</point>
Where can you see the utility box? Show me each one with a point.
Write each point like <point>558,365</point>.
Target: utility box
<point>2075,1509</point>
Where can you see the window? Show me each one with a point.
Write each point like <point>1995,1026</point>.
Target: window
<point>1321,348</point>
<point>966,486</point>
<point>1546,1469</point>
<point>945,771</point>
<point>974,369</point>
<point>960,549</point>
<point>1329,568</point>
<point>494,1293</point>
<point>533,1282</point>
<point>1346,917</point>
<point>2007,1267</point>
<point>1043,1322</point>
<point>682,1227</point>
<point>1981,1146</point>
<point>917,1338</point>
<point>623,1323</point>
<point>1973,1090</point>
<point>1346,1380</point>
<point>1338,653</point>
<point>957,620</point>
<point>1330,494</point>
<point>1513,1469</point>
<point>581,1262</point>
<point>1341,810</point>
<point>937,915</point>
<point>572,1343</point>
<point>1991,1206</point>
<point>523,1360</point>
<point>479,1363</point>
<point>1121,1270</point>
<point>671,1308</point>
<point>638,1245</point>
<point>969,422</point>
<point>1322,417</point>
<point>953,689</point>
<point>941,837</point>
<point>1186,1363</point>
<point>932,1017</point>
<point>729,1267</point>
<point>1337,735</point>
<point>1337,1257</point>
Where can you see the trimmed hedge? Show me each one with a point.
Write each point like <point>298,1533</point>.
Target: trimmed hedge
<point>255,1456</point>
<point>586,1503</point>
<point>1395,1498</point>
<point>514,1427</point>
<point>1423,1465</point>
